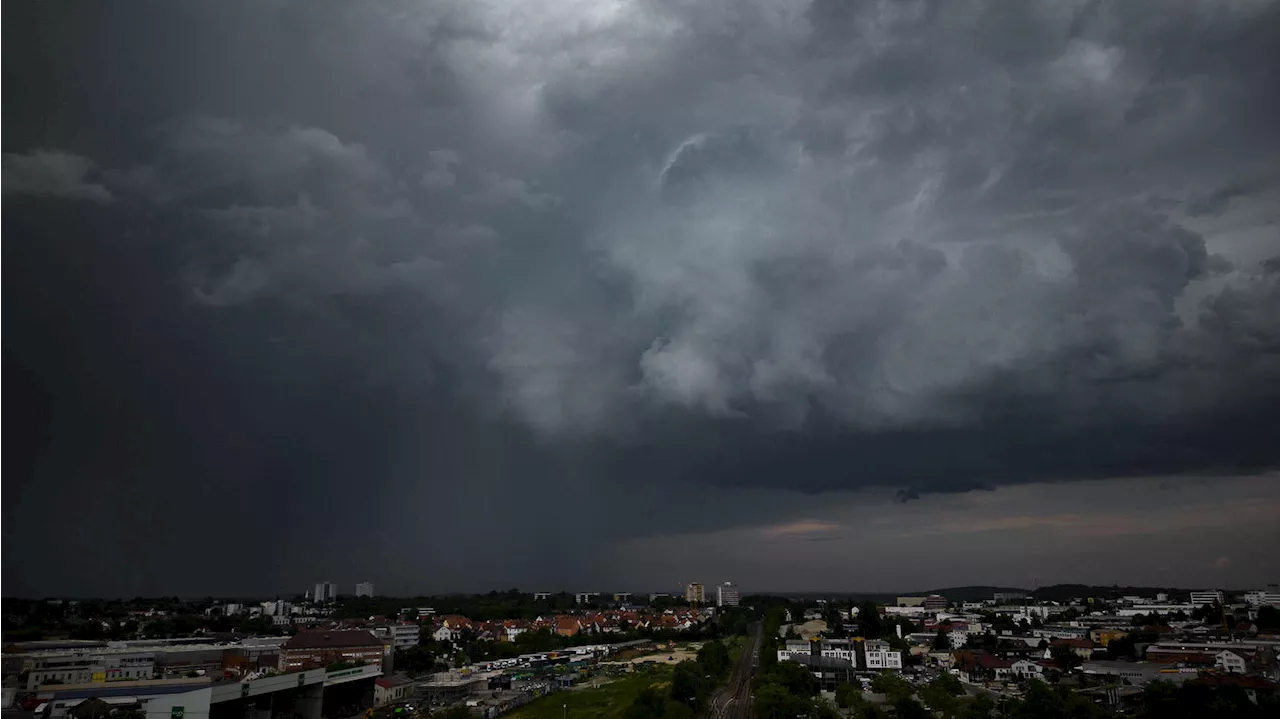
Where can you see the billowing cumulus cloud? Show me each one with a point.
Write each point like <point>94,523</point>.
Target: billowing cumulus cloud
<point>510,257</point>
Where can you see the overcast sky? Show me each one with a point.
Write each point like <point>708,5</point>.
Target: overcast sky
<point>457,295</point>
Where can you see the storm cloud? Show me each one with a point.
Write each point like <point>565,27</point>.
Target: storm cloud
<point>511,271</point>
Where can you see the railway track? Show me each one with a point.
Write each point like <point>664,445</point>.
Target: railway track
<point>733,701</point>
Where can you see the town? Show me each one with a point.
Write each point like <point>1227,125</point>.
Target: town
<point>709,651</point>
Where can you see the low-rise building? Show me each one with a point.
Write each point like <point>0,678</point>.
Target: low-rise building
<point>1027,669</point>
<point>392,689</point>
<point>90,667</point>
<point>321,647</point>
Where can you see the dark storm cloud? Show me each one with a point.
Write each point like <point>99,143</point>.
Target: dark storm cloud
<point>509,266</point>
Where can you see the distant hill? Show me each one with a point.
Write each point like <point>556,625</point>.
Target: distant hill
<point>953,594</point>
<point>1054,592</point>
<point>1063,592</point>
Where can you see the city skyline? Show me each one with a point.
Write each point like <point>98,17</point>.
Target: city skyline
<point>461,295</point>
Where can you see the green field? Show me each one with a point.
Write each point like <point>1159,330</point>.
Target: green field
<point>605,702</point>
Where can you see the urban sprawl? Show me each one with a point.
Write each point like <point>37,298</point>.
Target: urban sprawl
<point>703,652</point>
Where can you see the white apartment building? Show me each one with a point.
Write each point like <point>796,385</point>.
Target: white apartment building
<point>1207,596</point>
<point>325,592</point>
<point>880,656</point>
<point>694,593</point>
<point>402,634</point>
<point>1262,598</point>
<point>726,595</point>
<point>364,589</point>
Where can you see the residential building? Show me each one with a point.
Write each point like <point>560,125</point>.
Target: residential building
<point>321,647</point>
<point>1207,596</point>
<point>976,668</point>
<point>1027,669</point>
<point>880,656</point>
<point>586,597</point>
<point>726,595</point>
<point>693,593</point>
<point>401,634</point>
<point>541,596</point>
<point>624,597</point>
<point>1230,662</point>
<point>1009,597</point>
<point>364,589</point>
<point>909,601</point>
<point>325,592</point>
<point>1263,598</point>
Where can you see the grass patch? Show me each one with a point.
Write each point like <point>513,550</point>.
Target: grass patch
<point>609,701</point>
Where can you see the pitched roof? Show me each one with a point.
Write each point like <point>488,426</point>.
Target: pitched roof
<point>329,639</point>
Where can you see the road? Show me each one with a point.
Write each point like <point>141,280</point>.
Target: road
<point>733,701</point>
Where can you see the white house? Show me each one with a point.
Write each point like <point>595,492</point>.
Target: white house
<point>444,634</point>
<point>1229,661</point>
<point>1027,669</point>
<point>958,638</point>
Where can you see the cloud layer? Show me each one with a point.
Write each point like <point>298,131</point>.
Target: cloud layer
<point>659,244</point>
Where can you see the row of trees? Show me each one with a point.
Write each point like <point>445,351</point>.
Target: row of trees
<point>692,682</point>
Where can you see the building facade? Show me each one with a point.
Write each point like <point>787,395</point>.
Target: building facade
<point>934,602</point>
<point>325,592</point>
<point>727,595</point>
<point>364,589</point>
<point>1207,596</point>
<point>880,656</point>
<point>320,648</point>
<point>694,593</point>
<point>402,634</point>
<point>87,668</point>
<point>1263,598</point>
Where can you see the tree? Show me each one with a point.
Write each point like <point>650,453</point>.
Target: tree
<point>891,685</point>
<point>649,704</point>
<point>1064,656</point>
<point>941,642</point>
<point>415,660</point>
<point>714,658</point>
<point>793,678</point>
<point>686,683</point>
<point>940,694</point>
<point>847,695</point>
<point>1268,618</point>
<point>908,708</point>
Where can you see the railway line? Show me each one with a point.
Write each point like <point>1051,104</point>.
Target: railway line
<point>733,701</point>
